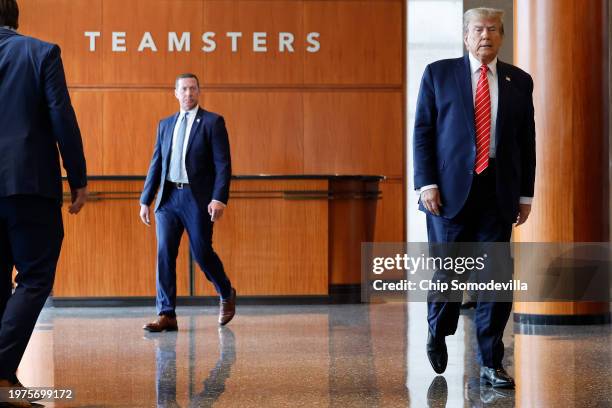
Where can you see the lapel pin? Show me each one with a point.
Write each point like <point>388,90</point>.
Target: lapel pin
<point>198,120</point>
<point>508,79</point>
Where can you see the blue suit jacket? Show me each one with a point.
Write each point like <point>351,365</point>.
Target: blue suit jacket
<point>445,135</point>
<point>207,160</point>
<point>36,118</point>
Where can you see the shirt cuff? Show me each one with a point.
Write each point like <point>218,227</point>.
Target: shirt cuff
<point>217,201</point>
<point>425,188</point>
<point>526,200</point>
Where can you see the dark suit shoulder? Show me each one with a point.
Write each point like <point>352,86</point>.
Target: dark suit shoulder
<point>23,41</point>
<point>167,119</point>
<point>516,71</point>
<point>448,62</point>
<point>444,64</point>
<point>210,116</point>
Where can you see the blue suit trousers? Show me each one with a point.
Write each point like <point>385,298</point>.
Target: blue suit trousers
<point>480,220</point>
<point>31,234</point>
<point>177,212</point>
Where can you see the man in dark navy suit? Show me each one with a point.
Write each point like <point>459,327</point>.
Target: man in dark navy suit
<point>474,167</point>
<point>191,172</point>
<point>36,120</point>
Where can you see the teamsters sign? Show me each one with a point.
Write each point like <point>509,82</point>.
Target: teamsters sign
<point>207,42</point>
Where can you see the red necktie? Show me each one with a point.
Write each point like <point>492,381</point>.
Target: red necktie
<point>482,108</point>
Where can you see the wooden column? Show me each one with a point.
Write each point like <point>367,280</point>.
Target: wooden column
<point>563,44</point>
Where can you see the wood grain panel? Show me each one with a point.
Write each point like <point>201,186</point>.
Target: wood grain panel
<point>571,194</point>
<point>88,106</point>
<point>361,42</point>
<point>107,251</point>
<point>222,66</point>
<point>351,221</point>
<point>265,130</point>
<point>130,128</point>
<point>273,246</point>
<point>64,22</point>
<point>390,212</point>
<point>159,17</point>
<point>353,133</point>
<point>287,113</point>
<point>570,110</point>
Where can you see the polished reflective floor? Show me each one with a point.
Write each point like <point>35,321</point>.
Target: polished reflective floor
<point>305,356</point>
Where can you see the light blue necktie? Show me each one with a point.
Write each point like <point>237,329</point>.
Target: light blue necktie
<point>177,151</point>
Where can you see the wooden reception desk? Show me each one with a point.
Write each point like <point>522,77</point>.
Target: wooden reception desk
<point>280,236</point>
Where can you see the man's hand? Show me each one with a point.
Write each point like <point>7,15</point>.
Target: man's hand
<point>78,198</point>
<point>431,200</point>
<point>215,210</point>
<point>144,214</point>
<point>524,210</point>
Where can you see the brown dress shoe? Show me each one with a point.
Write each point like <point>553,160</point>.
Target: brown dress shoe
<point>4,395</point>
<point>227,309</point>
<point>163,323</point>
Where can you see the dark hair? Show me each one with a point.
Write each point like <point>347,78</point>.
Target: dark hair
<point>9,13</point>
<point>184,76</point>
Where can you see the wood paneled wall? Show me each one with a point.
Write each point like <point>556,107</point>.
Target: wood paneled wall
<point>108,251</point>
<point>336,111</point>
<point>339,110</point>
<point>271,245</point>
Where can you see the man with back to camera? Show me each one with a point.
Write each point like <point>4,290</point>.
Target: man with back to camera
<point>474,166</point>
<point>36,118</point>
<point>190,171</point>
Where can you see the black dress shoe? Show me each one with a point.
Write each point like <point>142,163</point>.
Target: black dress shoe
<point>496,377</point>
<point>437,353</point>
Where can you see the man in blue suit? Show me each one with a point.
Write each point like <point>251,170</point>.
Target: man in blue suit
<point>474,167</point>
<point>36,120</point>
<point>191,172</point>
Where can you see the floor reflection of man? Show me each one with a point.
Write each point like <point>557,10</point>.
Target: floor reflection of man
<point>214,385</point>
<point>165,372</point>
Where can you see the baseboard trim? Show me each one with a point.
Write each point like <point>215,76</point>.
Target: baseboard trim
<point>338,294</point>
<point>562,320</point>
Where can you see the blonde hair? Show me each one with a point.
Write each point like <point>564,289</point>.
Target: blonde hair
<point>483,13</point>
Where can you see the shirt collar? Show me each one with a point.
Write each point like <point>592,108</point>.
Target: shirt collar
<point>9,28</point>
<point>192,112</point>
<point>475,65</point>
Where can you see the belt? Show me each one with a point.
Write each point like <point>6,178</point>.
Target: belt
<point>179,186</point>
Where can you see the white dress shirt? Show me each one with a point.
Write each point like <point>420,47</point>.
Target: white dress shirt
<point>183,149</point>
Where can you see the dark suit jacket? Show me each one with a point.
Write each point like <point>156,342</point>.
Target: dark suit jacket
<point>445,135</point>
<point>207,160</point>
<point>36,117</point>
